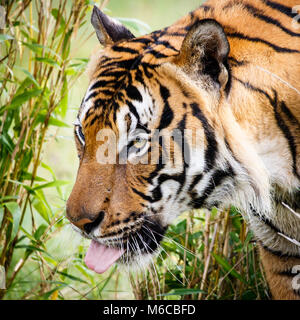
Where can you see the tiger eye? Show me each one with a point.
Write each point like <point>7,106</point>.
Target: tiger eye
<point>139,142</point>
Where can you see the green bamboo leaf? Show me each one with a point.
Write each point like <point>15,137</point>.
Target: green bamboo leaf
<point>70,276</point>
<point>38,48</point>
<point>58,123</point>
<point>28,235</point>
<point>30,248</point>
<point>4,37</point>
<point>234,237</point>
<point>85,271</point>
<point>49,61</point>
<point>35,47</point>
<point>55,14</point>
<point>74,68</point>
<point>51,260</point>
<point>30,77</point>
<point>42,209</point>
<point>25,186</point>
<point>227,267</point>
<point>63,104</point>
<point>15,211</point>
<point>26,160</point>
<point>7,142</point>
<point>40,231</point>
<point>52,121</point>
<point>28,176</point>
<point>9,198</point>
<point>47,295</point>
<point>18,100</point>
<point>66,44</point>
<point>48,168</point>
<point>56,183</point>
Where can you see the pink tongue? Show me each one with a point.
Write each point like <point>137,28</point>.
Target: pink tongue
<point>99,257</point>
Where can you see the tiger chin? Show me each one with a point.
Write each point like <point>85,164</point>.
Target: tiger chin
<point>202,114</point>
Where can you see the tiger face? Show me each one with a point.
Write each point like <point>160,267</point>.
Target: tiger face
<point>153,142</point>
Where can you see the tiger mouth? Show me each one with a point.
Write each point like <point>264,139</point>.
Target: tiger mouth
<point>135,242</point>
<point>144,239</point>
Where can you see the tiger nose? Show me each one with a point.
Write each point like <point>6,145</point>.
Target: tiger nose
<point>88,224</point>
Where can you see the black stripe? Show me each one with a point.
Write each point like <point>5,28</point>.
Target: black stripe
<point>143,128</point>
<point>280,122</point>
<point>255,39</point>
<point>232,154</point>
<point>176,34</point>
<point>108,92</point>
<point>165,44</point>
<point>145,41</point>
<point>271,225</point>
<point>256,13</point>
<point>124,49</point>
<point>186,153</point>
<point>147,68</point>
<point>101,83</point>
<point>286,131</point>
<point>180,178</point>
<point>133,93</point>
<point>216,180</point>
<point>156,193</point>
<point>126,64</point>
<point>279,253</point>
<point>237,63</point>
<point>289,114</point>
<point>155,172</point>
<point>156,54</point>
<point>92,95</point>
<point>195,181</point>
<point>212,147</point>
<point>111,73</point>
<point>142,195</point>
<point>167,114</point>
<point>132,109</point>
<point>280,7</point>
<point>288,273</point>
<point>249,86</point>
<point>265,220</point>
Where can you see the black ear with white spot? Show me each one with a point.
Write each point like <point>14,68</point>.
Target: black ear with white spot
<point>108,30</point>
<point>204,51</point>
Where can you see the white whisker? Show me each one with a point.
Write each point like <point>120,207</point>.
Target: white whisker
<point>159,246</point>
<point>152,262</point>
<point>176,243</point>
<point>278,78</point>
<point>291,210</point>
<point>294,241</point>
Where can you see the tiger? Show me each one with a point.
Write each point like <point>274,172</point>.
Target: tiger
<point>228,71</point>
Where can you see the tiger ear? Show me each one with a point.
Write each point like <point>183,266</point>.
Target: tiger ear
<point>204,52</point>
<point>108,30</point>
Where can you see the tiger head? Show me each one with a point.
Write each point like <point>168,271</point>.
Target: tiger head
<point>156,137</point>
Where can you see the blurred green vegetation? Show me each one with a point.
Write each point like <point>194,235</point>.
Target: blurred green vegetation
<point>42,255</point>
